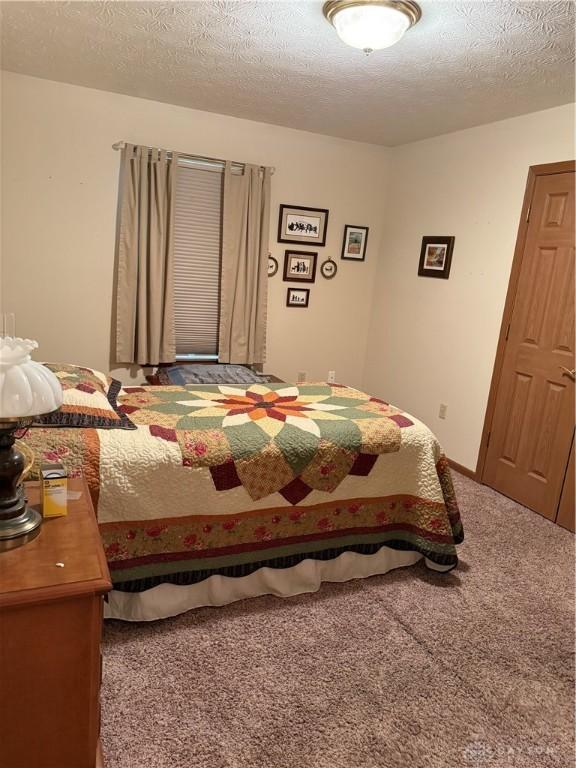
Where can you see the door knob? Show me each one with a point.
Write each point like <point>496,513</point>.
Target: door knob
<point>571,373</point>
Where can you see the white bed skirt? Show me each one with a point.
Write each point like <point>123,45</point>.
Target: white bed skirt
<point>170,599</point>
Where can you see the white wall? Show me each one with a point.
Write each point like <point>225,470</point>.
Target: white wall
<point>60,184</point>
<point>434,341</point>
<point>414,341</point>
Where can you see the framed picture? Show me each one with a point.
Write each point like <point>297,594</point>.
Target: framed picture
<point>436,256</point>
<point>355,241</point>
<point>272,266</point>
<point>302,225</point>
<point>300,266</point>
<point>297,297</point>
<point>328,269</point>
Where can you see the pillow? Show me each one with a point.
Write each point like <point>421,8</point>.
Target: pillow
<point>202,373</point>
<point>90,400</point>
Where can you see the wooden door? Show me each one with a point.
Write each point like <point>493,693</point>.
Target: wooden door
<point>566,508</point>
<point>531,430</point>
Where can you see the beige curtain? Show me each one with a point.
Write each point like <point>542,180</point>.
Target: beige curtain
<point>144,278</point>
<point>244,286</point>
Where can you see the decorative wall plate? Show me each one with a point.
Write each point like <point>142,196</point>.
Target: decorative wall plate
<point>328,269</point>
<point>272,266</point>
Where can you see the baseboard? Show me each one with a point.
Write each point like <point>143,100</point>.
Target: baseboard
<point>463,470</point>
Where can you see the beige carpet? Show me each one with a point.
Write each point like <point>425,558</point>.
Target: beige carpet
<point>407,670</point>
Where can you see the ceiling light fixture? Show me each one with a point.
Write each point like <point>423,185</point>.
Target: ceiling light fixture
<point>371,24</point>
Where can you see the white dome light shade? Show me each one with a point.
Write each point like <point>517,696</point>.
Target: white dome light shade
<point>27,388</point>
<point>371,25</point>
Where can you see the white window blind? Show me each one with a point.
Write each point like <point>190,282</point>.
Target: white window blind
<point>197,250</point>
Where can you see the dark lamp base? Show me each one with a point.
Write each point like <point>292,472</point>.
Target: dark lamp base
<point>18,523</point>
<point>17,531</point>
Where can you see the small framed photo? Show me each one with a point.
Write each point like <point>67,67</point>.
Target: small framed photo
<point>328,269</point>
<point>300,266</point>
<point>436,256</point>
<point>300,225</point>
<point>297,297</point>
<point>355,241</point>
<point>272,265</point>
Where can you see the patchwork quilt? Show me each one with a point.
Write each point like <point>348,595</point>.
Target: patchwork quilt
<point>227,479</point>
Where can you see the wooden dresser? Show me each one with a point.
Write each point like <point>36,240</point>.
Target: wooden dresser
<point>51,594</point>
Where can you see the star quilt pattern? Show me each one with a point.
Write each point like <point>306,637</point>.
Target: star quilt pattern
<point>271,438</point>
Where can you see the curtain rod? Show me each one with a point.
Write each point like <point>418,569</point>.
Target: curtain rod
<point>121,144</point>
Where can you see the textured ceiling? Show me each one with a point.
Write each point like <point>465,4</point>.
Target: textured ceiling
<point>463,64</point>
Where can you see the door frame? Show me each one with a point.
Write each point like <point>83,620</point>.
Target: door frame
<point>534,171</point>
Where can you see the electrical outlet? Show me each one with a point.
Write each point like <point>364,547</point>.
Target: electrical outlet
<point>301,377</point>
<point>331,377</point>
<point>443,410</point>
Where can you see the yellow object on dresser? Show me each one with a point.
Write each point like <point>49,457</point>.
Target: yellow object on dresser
<point>54,490</point>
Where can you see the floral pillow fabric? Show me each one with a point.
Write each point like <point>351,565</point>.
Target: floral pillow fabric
<point>90,400</point>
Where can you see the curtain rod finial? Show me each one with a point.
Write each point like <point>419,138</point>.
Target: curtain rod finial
<point>119,145</point>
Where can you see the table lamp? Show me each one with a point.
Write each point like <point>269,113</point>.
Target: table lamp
<point>27,390</point>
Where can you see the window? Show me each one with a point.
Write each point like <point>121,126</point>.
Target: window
<point>197,259</point>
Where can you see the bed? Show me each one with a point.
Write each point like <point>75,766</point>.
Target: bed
<point>209,494</point>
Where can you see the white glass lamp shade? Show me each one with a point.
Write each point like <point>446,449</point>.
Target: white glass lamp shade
<point>371,25</point>
<point>26,388</point>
